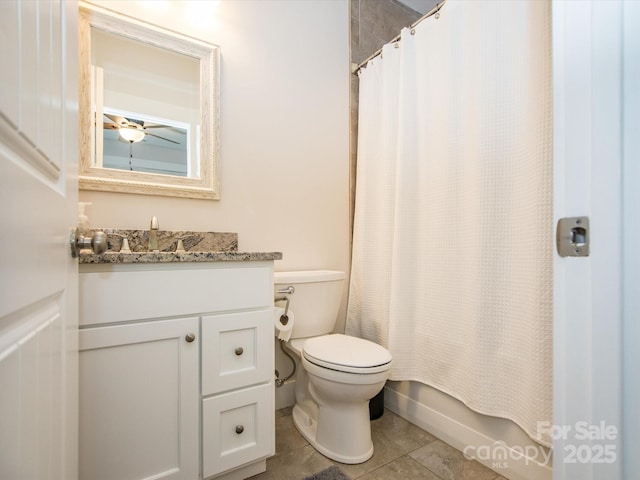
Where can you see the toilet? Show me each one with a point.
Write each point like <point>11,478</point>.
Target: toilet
<point>336,375</point>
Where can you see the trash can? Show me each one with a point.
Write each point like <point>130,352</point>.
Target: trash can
<point>376,405</point>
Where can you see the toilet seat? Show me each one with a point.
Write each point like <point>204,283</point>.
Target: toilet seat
<point>348,354</point>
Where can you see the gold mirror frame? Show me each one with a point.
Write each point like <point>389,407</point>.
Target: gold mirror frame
<point>112,180</point>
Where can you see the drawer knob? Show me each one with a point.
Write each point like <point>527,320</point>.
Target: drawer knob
<point>239,351</point>
<point>190,337</point>
<point>239,429</point>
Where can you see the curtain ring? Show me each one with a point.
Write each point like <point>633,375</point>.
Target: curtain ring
<point>413,31</point>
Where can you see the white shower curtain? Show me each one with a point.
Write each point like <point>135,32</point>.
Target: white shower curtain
<point>453,234</point>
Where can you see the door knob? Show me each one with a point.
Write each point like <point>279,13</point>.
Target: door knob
<point>190,337</point>
<point>239,351</point>
<point>97,243</point>
<point>239,429</point>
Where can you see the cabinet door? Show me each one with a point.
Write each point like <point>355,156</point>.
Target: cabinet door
<point>139,401</point>
<point>237,350</point>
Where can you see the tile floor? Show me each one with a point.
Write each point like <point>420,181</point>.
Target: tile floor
<point>402,452</point>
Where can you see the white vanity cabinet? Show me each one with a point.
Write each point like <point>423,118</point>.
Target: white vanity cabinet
<point>176,370</point>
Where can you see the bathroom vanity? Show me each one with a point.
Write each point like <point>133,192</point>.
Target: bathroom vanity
<point>176,365</point>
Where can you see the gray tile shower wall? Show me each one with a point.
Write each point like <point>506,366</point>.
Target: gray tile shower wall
<point>373,23</point>
<point>376,22</point>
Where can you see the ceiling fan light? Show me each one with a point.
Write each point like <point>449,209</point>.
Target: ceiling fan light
<point>132,135</point>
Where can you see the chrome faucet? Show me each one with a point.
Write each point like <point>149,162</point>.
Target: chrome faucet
<point>153,235</point>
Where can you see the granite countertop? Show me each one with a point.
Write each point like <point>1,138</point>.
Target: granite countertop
<point>171,257</point>
<point>199,246</point>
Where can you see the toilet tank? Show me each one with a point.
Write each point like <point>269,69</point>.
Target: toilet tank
<point>315,301</point>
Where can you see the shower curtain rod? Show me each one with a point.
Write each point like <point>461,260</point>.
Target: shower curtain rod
<point>431,12</point>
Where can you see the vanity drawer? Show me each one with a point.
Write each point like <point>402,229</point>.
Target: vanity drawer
<point>237,428</point>
<point>236,350</point>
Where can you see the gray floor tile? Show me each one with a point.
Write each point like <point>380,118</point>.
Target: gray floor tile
<point>450,464</point>
<point>294,465</point>
<point>384,451</point>
<point>401,451</point>
<point>392,437</point>
<point>268,475</point>
<point>400,432</point>
<point>404,468</point>
<point>287,436</point>
<point>284,412</point>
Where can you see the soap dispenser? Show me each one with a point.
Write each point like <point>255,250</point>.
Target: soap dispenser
<point>153,234</point>
<point>83,220</point>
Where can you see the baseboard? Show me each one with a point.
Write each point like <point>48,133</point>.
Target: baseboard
<point>510,461</point>
<point>245,471</point>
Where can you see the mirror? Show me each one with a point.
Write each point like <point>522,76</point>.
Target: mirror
<point>149,106</point>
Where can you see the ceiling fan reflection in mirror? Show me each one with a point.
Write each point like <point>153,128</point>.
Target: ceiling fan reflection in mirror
<point>133,130</point>
<point>142,143</point>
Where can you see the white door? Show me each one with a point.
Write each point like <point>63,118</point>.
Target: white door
<point>595,50</point>
<point>38,278</point>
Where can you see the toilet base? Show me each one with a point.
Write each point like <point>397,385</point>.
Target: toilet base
<point>305,417</point>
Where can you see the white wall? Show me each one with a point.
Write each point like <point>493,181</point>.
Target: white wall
<point>284,130</point>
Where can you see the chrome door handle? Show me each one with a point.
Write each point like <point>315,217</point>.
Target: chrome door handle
<point>77,242</point>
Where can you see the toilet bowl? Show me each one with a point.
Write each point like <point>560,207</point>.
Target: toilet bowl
<point>336,375</point>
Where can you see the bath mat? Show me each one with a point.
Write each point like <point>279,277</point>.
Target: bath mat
<point>331,473</point>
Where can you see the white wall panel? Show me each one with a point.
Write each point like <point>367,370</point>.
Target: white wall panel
<point>29,428</point>
<point>46,60</point>
<point>10,54</point>
<point>29,55</point>
<point>29,395</point>
<point>10,412</point>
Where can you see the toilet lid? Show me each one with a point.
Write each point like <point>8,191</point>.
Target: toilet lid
<point>347,354</point>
